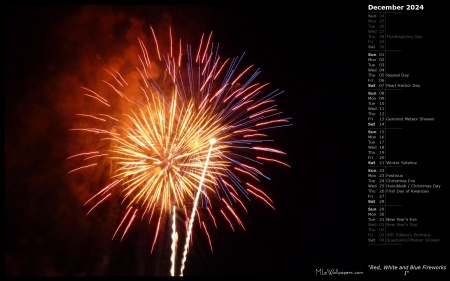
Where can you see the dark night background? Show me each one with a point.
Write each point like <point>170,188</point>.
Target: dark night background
<point>312,52</point>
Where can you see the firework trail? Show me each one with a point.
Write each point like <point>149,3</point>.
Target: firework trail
<point>174,242</point>
<point>194,209</point>
<point>159,149</point>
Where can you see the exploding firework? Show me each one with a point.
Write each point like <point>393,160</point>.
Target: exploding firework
<point>194,142</point>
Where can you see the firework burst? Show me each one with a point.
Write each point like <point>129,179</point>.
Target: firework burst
<point>197,134</point>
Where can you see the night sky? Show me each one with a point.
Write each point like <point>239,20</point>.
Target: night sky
<point>313,53</point>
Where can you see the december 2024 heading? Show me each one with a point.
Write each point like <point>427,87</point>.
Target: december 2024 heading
<point>395,8</point>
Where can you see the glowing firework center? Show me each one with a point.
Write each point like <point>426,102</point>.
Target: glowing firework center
<point>162,155</point>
